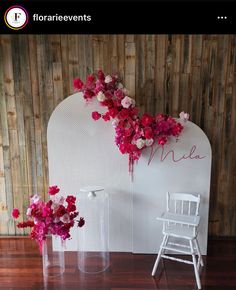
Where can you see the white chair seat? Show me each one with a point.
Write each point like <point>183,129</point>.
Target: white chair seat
<point>178,231</point>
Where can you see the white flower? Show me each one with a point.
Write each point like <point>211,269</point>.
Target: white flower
<point>149,142</point>
<point>120,86</point>
<point>65,218</point>
<point>34,199</point>
<point>28,212</point>
<point>108,79</point>
<point>114,123</point>
<point>184,116</point>
<point>57,200</point>
<point>140,143</point>
<point>101,97</point>
<point>127,102</point>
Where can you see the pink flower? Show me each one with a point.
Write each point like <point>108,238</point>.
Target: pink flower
<point>127,102</point>
<point>54,189</point>
<point>78,84</point>
<point>65,218</point>
<point>184,116</point>
<point>15,213</point>
<point>108,79</point>
<point>96,116</point>
<point>34,199</point>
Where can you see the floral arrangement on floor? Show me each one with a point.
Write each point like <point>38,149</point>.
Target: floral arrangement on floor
<point>51,217</point>
<point>133,133</point>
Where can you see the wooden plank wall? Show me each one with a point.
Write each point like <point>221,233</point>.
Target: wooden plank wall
<point>165,73</point>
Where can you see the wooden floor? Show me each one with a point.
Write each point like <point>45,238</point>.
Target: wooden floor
<point>21,268</point>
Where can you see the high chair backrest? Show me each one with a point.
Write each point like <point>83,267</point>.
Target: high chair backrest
<point>183,203</point>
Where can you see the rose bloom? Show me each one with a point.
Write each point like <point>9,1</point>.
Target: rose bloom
<point>184,116</point>
<point>96,116</point>
<point>127,102</point>
<point>34,199</point>
<point>78,84</point>
<point>140,143</point>
<point>65,218</point>
<point>108,79</point>
<point>54,189</point>
<point>101,97</point>
<point>15,213</point>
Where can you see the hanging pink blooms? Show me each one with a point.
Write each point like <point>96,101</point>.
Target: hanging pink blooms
<point>133,133</point>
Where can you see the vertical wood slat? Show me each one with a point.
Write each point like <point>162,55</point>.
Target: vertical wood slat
<point>3,135</point>
<point>130,65</point>
<point>164,73</point>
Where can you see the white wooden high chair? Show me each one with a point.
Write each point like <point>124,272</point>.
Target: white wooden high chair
<point>180,222</point>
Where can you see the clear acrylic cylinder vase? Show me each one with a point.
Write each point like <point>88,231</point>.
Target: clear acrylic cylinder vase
<point>53,256</point>
<point>93,251</point>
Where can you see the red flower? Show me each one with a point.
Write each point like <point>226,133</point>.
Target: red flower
<point>15,213</point>
<point>61,211</point>
<point>90,79</point>
<point>106,117</point>
<point>101,75</point>
<point>25,224</point>
<point>71,199</point>
<point>148,133</point>
<point>96,116</point>
<point>52,190</point>
<point>177,129</point>
<point>78,84</point>
<point>146,120</point>
<point>88,94</point>
<point>162,140</point>
<point>81,222</point>
<point>124,114</point>
<point>71,207</point>
<point>113,112</point>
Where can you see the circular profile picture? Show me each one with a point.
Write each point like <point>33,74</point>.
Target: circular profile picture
<point>16,17</point>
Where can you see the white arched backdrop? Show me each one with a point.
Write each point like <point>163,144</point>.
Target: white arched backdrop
<point>82,152</point>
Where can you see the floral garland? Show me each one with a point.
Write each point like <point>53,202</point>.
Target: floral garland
<point>52,217</point>
<point>133,133</point>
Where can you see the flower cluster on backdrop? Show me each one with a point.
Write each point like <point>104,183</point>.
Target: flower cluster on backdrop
<point>133,133</point>
<point>56,216</point>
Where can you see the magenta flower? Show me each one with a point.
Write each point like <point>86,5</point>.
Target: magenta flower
<point>15,213</point>
<point>53,190</point>
<point>96,116</point>
<point>78,84</point>
<point>133,133</point>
